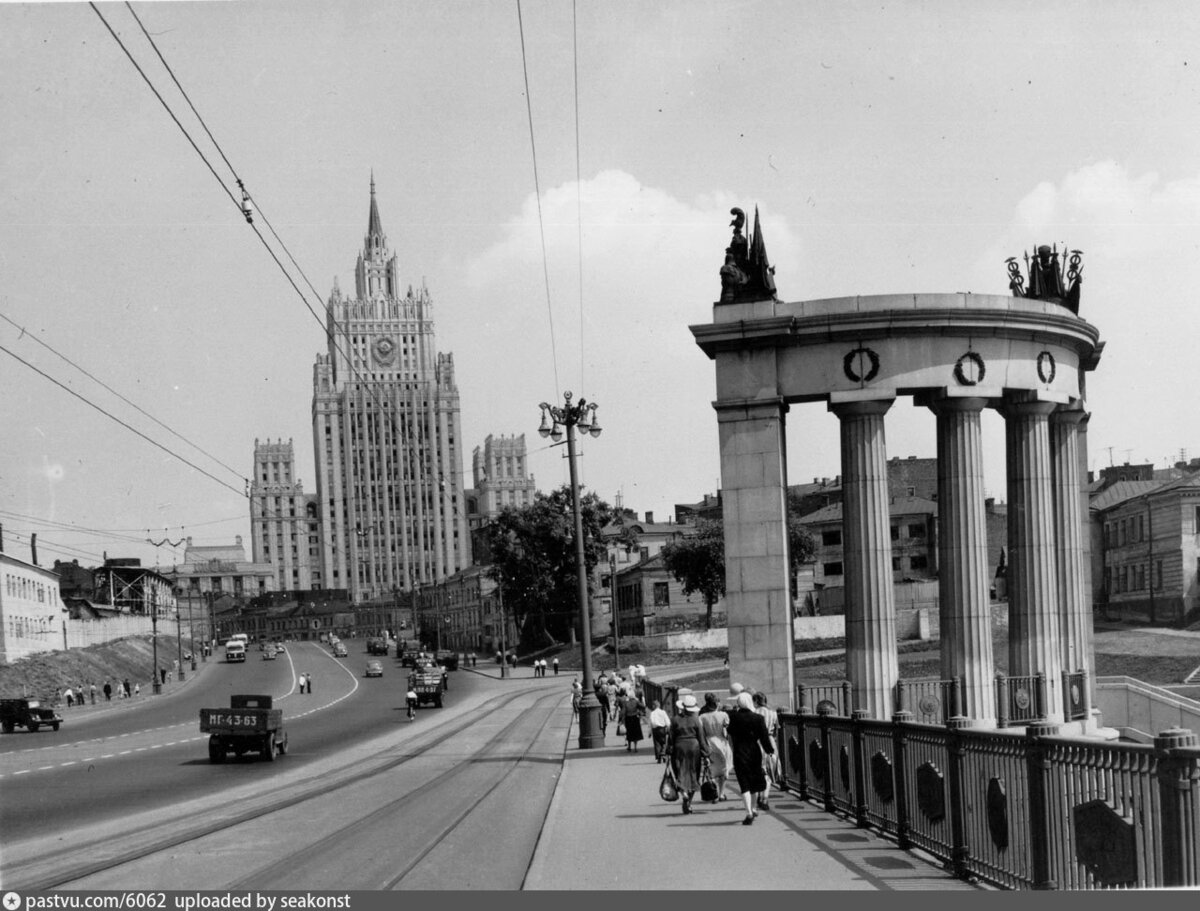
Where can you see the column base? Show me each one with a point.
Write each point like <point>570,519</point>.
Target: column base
<point>591,734</point>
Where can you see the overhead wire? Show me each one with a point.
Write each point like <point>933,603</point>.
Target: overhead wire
<point>113,417</point>
<point>537,192</point>
<point>97,380</point>
<point>578,195</point>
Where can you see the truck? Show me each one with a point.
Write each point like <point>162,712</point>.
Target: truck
<point>235,650</point>
<point>26,713</point>
<point>249,725</point>
<point>428,681</point>
<point>377,645</point>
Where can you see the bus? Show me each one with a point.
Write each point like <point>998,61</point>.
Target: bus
<point>235,650</point>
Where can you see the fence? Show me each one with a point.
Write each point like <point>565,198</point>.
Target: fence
<point>1031,810</point>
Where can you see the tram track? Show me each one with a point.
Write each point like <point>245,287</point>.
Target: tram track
<point>61,866</point>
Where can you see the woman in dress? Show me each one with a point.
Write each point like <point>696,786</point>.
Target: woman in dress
<point>634,709</point>
<point>715,723</point>
<point>688,748</point>
<point>748,736</point>
<point>770,760</point>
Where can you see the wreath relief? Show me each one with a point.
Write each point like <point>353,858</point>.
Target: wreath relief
<point>1046,368</point>
<point>979,369</point>
<point>852,365</point>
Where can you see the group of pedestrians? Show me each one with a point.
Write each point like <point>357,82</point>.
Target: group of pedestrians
<point>539,666</point>
<point>711,741</point>
<point>85,693</point>
<point>304,683</point>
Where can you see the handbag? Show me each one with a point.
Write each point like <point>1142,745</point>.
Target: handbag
<point>620,728</point>
<point>708,787</point>
<point>668,789</point>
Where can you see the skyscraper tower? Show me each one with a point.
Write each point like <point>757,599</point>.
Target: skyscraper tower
<point>386,435</point>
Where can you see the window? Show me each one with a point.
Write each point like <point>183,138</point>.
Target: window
<point>895,532</point>
<point>832,569</point>
<point>831,538</point>
<point>918,561</point>
<point>661,595</point>
<point>895,564</point>
<point>1158,572</point>
<point>916,530</point>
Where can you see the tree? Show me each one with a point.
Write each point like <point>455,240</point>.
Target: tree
<point>698,562</point>
<point>533,555</point>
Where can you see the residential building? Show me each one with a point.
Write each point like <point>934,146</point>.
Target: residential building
<point>214,570</point>
<point>1146,550</point>
<point>32,615</point>
<point>386,435</point>
<point>650,600</point>
<point>127,587</point>
<point>284,527</point>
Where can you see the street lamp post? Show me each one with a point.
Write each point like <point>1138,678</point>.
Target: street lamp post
<point>503,627</point>
<point>616,611</point>
<point>583,416</point>
<point>179,639</point>
<point>155,683</point>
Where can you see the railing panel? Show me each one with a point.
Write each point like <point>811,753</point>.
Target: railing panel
<point>930,701</point>
<point>879,777</point>
<point>995,798</point>
<point>927,790</point>
<point>791,753</point>
<point>834,696</point>
<point>1103,801</point>
<point>841,764</point>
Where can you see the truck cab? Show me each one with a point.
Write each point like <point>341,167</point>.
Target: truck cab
<point>26,713</point>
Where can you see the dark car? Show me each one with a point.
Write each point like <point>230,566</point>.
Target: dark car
<point>26,713</point>
<point>447,659</point>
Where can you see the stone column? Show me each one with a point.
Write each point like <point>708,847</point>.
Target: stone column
<point>871,662</point>
<point>757,592</point>
<point>963,585</point>
<point>1074,610</point>
<point>1033,630</point>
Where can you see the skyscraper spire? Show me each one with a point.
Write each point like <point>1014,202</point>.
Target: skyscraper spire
<point>374,227</point>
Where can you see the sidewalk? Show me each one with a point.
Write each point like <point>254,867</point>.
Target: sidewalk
<point>607,828</point>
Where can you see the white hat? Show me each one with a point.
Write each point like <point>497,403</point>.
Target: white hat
<point>687,704</point>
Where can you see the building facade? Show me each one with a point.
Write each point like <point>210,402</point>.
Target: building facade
<point>386,435</point>
<point>284,530</point>
<point>500,475</point>
<point>32,616</point>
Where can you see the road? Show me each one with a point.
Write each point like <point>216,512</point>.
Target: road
<point>364,798</point>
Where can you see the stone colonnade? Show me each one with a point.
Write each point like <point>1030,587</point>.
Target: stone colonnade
<point>858,355</point>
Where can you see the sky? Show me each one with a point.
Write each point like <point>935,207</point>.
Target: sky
<point>559,176</point>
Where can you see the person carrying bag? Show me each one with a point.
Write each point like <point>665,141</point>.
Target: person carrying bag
<point>668,788</point>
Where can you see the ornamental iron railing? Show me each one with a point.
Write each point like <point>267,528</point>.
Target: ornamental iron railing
<point>1018,810</point>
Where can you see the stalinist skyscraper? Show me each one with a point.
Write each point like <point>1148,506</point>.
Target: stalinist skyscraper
<point>386,435</point>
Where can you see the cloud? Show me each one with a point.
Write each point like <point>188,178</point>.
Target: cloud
<point>650,269</point>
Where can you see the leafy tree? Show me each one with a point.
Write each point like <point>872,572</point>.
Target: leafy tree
<point>533,555</point>
<point>698,562</point>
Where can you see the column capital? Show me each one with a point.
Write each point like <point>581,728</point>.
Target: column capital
<point>945,404</point>
<point>749,409</point>
<point>1020,404</point>
<point>861,408</point>
<point>1069,415</point>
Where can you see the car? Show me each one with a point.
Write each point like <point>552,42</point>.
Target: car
<point>374,669</point>
<point>339,651</point>
<point>268,654</point>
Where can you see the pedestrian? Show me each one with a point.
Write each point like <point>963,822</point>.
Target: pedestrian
<point>612,693</point>
<point>715,722</point>
<point>771,760</point>
<point>410,699</point>
<point>660,726</point>
<point>137,689</point>
<point>308,683</point>
<point>576,695</point>
<point>107,691</point>
<point>162,674</point>
<point>300,681</point>
<point>543,666</point>
<point>555,663</point>
<point>725,663</point>
<point>92,689</point>
<point>634,708</point>
<point>69,695</point>
<point>748,737</point>
<point>687,748</point>
<point>601,688</point>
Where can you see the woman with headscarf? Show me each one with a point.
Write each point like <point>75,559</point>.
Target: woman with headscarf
<point>771,760</point>
<point>715,722</point>
<point>748,736</point>
<point>688,748</point>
